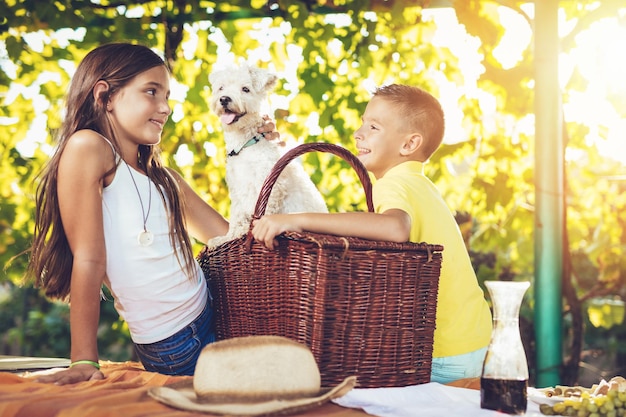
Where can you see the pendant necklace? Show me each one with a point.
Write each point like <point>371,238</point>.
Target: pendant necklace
<point>145,237</point>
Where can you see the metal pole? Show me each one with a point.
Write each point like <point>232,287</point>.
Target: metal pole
<point>549,213</point>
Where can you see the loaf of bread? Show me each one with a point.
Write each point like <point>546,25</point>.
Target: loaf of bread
<point>617,383</point>
<point>255,369</point>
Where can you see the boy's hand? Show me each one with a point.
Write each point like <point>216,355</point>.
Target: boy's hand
<point>267,228</point>
<point>73,375</point>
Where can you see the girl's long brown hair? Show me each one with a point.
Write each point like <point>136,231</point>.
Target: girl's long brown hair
<point>51,259</point>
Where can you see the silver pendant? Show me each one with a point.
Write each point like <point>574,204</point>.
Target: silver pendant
<point>145,238</point>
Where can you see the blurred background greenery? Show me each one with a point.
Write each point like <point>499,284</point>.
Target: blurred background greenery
<point>477,56</point>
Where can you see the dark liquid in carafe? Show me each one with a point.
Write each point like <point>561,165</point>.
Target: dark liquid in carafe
<point>506,396</point>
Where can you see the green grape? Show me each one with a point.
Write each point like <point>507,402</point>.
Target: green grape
<point>570,411</point>
<point>546,409</point>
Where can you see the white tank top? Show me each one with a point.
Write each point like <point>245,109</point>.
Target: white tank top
<point>152,293</point>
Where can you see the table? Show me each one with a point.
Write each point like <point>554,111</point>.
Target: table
<point>122,393</point>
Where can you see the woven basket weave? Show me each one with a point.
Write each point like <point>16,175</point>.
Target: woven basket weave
<point>365,308</point>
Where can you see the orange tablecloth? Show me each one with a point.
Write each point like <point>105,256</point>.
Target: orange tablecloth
<point>122,393</point>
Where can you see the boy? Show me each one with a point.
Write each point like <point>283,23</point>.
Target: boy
<point>402,127</point>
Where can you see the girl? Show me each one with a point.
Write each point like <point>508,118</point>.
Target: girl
<point>109,212</point>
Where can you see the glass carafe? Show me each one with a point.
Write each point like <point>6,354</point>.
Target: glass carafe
<point>504,380</point>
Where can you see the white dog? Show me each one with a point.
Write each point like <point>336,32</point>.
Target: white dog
<point>237,96</point>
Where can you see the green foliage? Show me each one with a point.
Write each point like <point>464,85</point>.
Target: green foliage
<point>31,325</point>
<point>340,49</point>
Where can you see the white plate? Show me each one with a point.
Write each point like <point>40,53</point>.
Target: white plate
<point>539,396</point>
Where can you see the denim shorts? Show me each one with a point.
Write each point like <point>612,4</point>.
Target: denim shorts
<point>452,368</point>
<point>178,354</point>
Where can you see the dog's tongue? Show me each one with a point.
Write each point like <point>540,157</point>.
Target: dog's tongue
<point>228,118</point>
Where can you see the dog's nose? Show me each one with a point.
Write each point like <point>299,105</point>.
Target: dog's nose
<point>224,100</point>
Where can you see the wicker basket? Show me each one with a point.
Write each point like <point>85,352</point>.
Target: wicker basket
<point>365,308</point>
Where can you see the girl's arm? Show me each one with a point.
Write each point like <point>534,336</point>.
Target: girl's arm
<point>392,225</point>
<point>203,221</point>
<point>80,182</point>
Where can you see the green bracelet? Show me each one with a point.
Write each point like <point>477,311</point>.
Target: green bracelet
<point>92,363</point>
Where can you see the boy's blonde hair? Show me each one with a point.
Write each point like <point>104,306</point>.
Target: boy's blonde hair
<point>421,111</point>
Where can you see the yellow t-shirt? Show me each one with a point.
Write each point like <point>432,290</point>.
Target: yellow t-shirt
<point>463,321</point>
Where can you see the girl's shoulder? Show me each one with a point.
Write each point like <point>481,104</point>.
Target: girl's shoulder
<point>91,149</point>
<point>87,140</point>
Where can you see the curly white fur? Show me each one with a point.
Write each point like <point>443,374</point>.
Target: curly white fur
<point>237,96</point>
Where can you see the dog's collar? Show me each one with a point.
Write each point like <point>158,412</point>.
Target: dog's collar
<point>255,139</point>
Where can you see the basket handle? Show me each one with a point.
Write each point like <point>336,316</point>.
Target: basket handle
<point>290,155</point>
